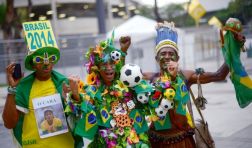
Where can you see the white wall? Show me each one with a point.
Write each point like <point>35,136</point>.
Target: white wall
<point>186,50</point>
<point>87,25</point>
<point>79,26</point>
<point>147,62</point>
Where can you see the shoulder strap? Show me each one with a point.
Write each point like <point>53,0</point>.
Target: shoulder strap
<point>193,98</point>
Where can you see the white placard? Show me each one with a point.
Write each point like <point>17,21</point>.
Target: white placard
<point>50,117</point>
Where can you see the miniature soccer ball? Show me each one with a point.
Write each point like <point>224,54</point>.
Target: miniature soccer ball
<point>169,93</point>
<point>131,75</point>
<point>115,55</point>
<point>143,98</point>
<point>166,104</point>
<point>160,111</point>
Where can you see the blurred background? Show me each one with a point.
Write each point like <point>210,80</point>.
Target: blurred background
<point>80,24</point>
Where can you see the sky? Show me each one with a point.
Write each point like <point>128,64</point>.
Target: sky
<point>161,2</point>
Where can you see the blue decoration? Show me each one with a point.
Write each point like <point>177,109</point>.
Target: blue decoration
<point>91,118</point>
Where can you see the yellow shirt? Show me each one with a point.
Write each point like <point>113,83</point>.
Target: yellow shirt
<point>30,135</point>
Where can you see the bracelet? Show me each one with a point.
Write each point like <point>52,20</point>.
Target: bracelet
<point>12,90</point>
<point>199,71</point>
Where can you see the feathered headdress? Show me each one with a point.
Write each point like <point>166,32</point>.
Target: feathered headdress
<point>166,36</point>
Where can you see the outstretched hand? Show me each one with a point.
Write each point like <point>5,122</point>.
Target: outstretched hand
<point>9,71</point>
<point>72,87</point>
<point>125,42</point>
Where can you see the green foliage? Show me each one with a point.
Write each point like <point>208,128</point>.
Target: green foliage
<point>147,11</point>
<point>22,14</point>
<point>175,12</point>
<point>2,13</point>
<point>241,9</point>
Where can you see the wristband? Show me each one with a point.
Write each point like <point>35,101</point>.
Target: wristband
<point>12,90</point>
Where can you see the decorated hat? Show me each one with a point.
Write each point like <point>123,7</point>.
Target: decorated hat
<point>104,52</point>
<point>166,36</point>
<point>233,24</point>
<point>41,43</point>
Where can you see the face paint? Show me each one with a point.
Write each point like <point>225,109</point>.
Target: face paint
<point>107,72</point>
<point>105,67</point>
<point>165,57</point>
<point>167,54</point>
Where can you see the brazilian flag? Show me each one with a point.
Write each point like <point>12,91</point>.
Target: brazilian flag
<point>163,123</point>
<point>181,96</point>
<point>239,77</point>
<point>87,126</point>
<point>140,123</point>
<point>104,117</point>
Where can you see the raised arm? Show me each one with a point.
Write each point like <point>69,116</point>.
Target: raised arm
<point>125,42</point>
<point>10,113</point>
<point>207,77</point>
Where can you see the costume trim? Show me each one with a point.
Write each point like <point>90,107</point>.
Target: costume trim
<point>166,43</point>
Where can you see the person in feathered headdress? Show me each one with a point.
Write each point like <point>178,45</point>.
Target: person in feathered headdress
<point>173,125</point>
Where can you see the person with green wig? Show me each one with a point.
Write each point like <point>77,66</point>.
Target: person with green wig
<point>105,114</point>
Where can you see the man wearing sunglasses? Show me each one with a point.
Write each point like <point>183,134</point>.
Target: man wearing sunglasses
<point>19,111</point>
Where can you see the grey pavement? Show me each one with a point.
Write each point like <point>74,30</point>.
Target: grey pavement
<point>230,125</point>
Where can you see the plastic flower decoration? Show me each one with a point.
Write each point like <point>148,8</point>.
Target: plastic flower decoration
<point>121,86</point>
<point>133,138</point>
<point>98,50</point>
<point>101,53</point>
<point>91,78</point>
<point>81,84</point>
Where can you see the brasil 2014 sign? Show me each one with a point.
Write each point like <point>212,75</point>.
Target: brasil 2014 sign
<point>39,34</point>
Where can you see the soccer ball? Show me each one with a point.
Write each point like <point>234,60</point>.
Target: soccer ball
<point>143,98</point>
<point>166,104</point>
<point>115,55</point>
<point>131,75</point>
<point>169,93</point>
<point>160,111</point>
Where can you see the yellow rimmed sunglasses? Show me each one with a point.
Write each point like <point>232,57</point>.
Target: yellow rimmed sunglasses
<point>46,59</point>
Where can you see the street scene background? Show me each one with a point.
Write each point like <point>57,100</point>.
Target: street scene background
<point>81,24</point>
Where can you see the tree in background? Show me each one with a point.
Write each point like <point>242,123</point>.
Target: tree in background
<point>156,12</point>
<point>176,13</point>
<point>11,24</point>
<point>146,11</point>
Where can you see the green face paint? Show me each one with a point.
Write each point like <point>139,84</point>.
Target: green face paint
<point>174,58</point>
<point>105,67</point>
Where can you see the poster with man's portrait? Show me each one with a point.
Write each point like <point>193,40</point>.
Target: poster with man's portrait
<point>50,117</point>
